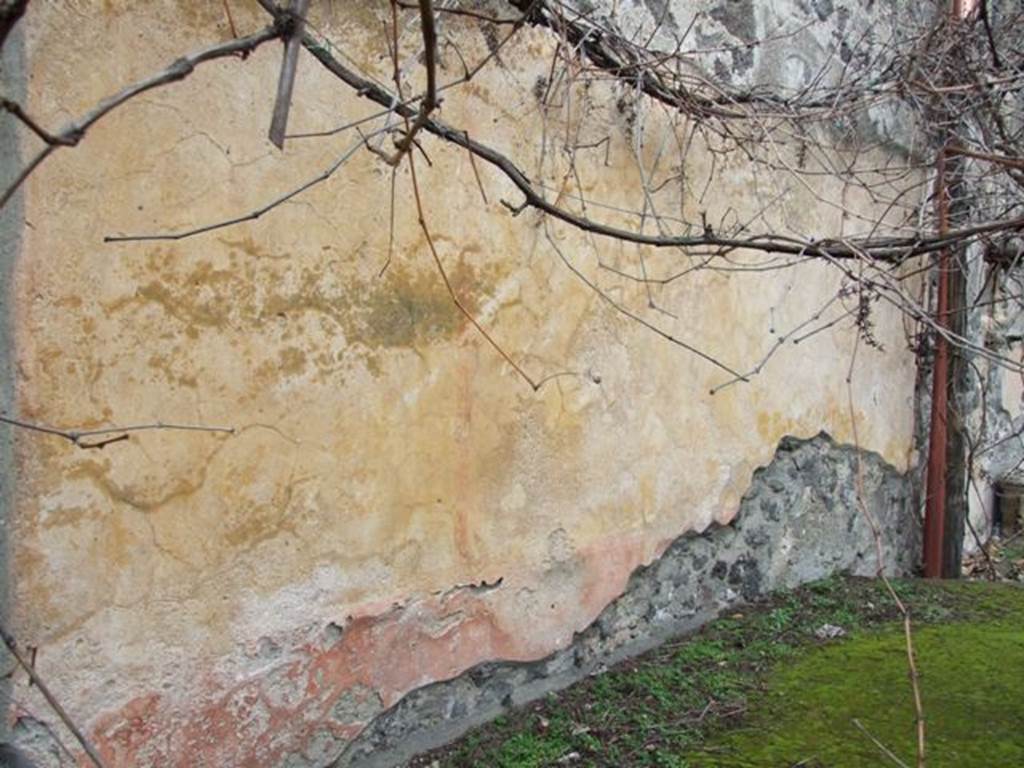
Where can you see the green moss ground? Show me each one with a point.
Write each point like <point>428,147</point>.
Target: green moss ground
<point>758,689</point>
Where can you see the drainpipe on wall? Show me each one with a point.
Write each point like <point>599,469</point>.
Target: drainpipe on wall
<point>935,486</point>
<point>937,539</point>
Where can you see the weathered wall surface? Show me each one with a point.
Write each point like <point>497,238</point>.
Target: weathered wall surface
<point>396,507</point>
<point>799,521</point>
<point>992,397</point>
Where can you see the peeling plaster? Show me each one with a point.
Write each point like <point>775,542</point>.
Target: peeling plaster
<point>395,501</point>
<point>799,521</point>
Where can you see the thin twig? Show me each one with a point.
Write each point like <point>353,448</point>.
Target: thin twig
<point>464,12</point>
<point>534,385</point>
<point>231,21</point>
<point>476,175</point>
<point>51,699</point>
<point>251,215</point>
<point>79,437</point>
<point>876,533</point>
<point>430,102</point>
<point>881,747</point>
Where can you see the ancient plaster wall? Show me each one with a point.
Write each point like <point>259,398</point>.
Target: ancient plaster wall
<point>396,506</point>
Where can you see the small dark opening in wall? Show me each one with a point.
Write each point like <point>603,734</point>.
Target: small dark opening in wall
<point>1006,519</point>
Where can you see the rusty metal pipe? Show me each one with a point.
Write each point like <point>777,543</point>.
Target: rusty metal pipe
<point>935,487</point>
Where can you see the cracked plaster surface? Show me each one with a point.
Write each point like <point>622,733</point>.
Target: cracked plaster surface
<point>389,478</point>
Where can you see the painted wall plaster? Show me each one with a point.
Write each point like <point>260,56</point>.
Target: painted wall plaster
<point>396,506</point>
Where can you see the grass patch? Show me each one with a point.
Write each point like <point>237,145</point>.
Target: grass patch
<point>970,678</point>
<point>758,688</point>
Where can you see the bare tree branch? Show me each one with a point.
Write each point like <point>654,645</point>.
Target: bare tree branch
<point>881,747</point>
<point>79,437</point>
<point>429,102</point>
<point>908,636</point>
<point>51,699</point>
<point>37,129</point>
<point>286,82</point>
<point>885,249</point>
<point>178,70</point>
